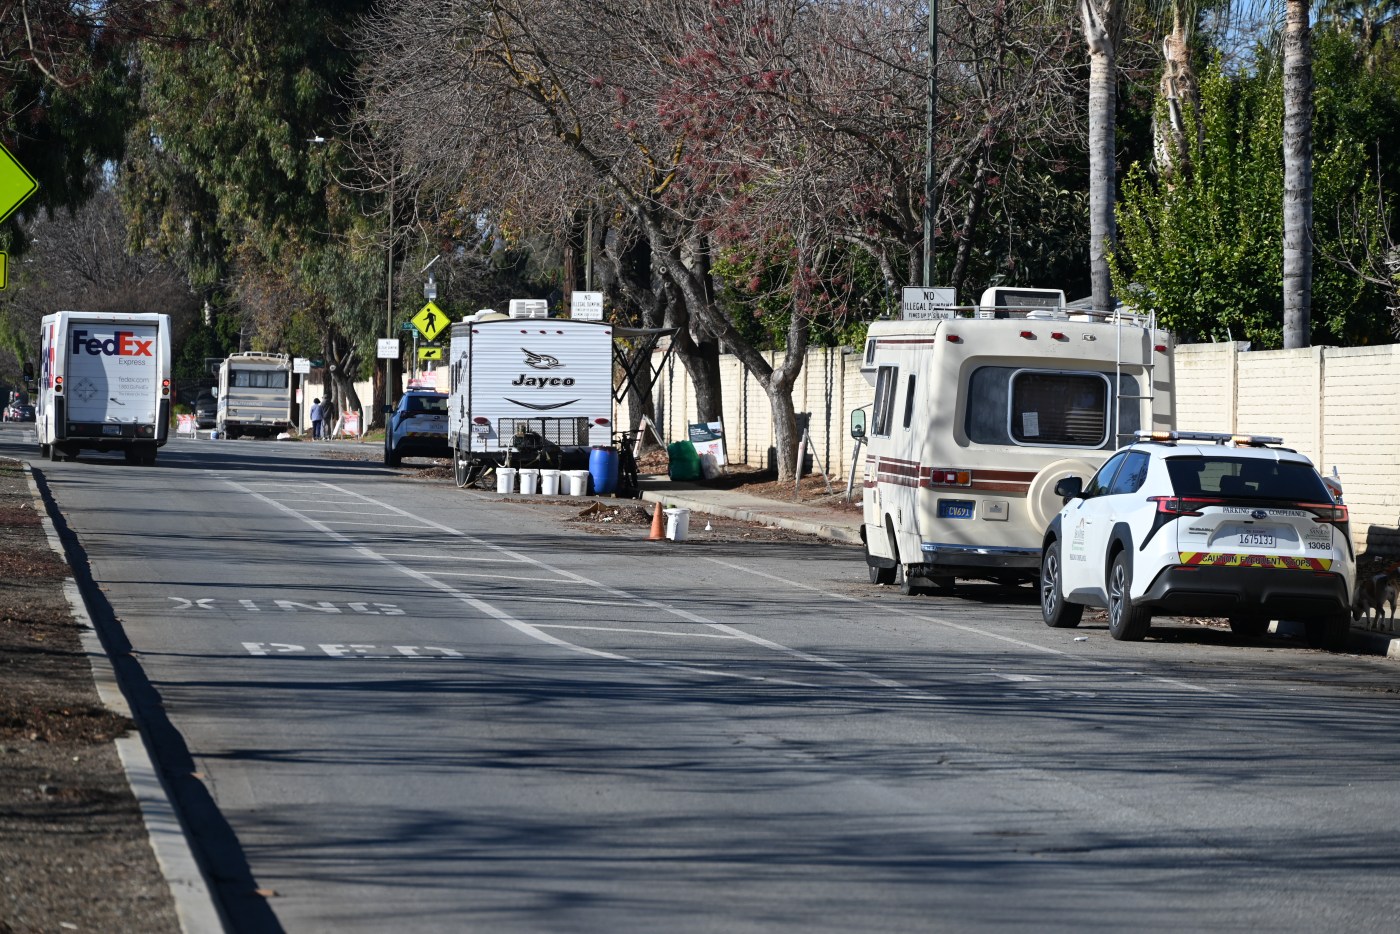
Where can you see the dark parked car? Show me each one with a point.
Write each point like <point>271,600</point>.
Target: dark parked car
<point>206,410</point>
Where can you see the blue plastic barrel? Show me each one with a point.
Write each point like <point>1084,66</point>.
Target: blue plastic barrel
<point>602,466</point>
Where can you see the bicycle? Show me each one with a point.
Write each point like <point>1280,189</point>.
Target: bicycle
<point>628,486</point>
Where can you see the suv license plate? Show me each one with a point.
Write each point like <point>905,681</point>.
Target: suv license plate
<point>1262,539</point>
<point>956,508</point>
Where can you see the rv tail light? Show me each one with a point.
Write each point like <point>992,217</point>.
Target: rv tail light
<point>954,339</point>
<point>1057,335</point>
<point>165,387</point>
<point>1160,348</point>
<point>1028,335</point>
<point>602,421</point>
<point>949,476</point>
<point>481,420</point>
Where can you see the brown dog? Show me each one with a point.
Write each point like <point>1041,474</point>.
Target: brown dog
<point>1373,592</point>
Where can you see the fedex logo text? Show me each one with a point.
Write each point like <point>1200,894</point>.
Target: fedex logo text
<point>120,344</point>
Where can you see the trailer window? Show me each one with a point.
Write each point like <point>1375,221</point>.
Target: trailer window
<point>909,401</point>
<point>882,412</point>
<point>1013,405</point>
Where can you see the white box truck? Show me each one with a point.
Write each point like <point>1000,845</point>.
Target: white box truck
<point>528,392</point>
<point>104,384</point>
<point>255,395</point>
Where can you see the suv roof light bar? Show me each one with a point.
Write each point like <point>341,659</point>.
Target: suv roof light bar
<point>1215,437</point>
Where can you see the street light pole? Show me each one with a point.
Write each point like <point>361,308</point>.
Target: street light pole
<point>930,208</point>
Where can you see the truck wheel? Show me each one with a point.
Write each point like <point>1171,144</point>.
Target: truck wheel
<point>878,575</point>
<point>55,454</point>
<point>43,451</point>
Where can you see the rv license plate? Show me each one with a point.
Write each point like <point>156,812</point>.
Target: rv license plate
<point>956,508</point>
<point>111,429</point>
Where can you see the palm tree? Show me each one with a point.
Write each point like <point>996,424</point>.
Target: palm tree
<point>1103,29</point>
<point>1297,174</point>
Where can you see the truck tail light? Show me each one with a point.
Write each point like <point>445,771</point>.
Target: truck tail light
<point>58,384</point>
<point>165,387</point>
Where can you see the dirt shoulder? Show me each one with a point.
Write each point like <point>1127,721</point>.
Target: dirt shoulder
<point>74,851</point>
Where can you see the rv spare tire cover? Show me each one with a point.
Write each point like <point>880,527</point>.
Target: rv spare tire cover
<point>1041,498</point>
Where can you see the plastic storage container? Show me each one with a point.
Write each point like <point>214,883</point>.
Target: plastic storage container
<point>549,481</point>
<point>602,467</point>
<point>529,481</point>
<point>578,482</point>
<point>505,479</point>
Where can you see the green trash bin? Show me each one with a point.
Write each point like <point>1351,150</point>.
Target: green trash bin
<point>685,462</point>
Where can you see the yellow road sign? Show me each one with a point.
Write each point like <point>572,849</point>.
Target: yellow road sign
<point>429,353</point>
<point>430,321</point>
<point>16,185</point>
<point>4,270</point>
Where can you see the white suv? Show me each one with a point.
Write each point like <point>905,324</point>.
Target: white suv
<point>1204,524</point>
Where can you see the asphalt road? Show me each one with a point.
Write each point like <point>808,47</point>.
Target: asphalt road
<point>387,704</point>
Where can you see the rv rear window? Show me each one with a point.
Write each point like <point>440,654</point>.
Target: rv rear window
<point>1012,405</point>
<point>260,379</point>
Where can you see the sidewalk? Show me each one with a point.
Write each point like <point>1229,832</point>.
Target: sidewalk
<point>808,518</point>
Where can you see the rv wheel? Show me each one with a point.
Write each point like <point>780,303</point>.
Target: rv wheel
<point>878,574</point>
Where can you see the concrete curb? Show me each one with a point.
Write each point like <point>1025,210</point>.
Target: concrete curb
<point>194,903</point>
<point>834,533</point>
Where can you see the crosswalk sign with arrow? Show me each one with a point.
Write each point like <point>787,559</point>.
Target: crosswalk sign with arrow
<point>430,321</point>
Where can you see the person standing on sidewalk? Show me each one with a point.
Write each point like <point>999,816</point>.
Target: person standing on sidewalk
<point>316,415</point>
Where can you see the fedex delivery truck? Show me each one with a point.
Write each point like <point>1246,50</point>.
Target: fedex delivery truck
<point>104,384</point>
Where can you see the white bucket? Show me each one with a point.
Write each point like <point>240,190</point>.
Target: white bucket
<point>677,524</point>
<point>529,480</point>
<point>505,479</point>
<point>578,482</point>
<point>549,481</point>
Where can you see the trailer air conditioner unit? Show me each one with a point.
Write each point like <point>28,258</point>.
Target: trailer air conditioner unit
<point>529,308</point>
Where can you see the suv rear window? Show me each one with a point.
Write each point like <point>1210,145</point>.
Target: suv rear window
<point>1248,478</point>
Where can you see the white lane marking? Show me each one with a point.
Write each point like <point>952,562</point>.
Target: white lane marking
<point>578,600</point>
<point>649,632</point>
<point>487,609</point>
<point>906,690</point>
<point>504,577</point>
<point>440,557</point>
<point>961,627</point>
<point>378,525</point>
<point>1004,677</point>
<point>341,512</point>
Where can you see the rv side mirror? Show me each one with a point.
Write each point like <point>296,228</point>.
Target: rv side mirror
<point>1069,488</point>
<point>858,424</point>
<point>214,392</point>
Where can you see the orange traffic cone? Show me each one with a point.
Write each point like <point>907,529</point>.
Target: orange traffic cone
<point>658,526</point>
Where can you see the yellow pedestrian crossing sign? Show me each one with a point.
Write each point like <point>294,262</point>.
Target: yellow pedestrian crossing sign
<point>430,321</point>
<point>429,353</point>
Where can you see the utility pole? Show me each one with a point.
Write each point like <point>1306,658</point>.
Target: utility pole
<point>930,208</point>
<point>389,303</point>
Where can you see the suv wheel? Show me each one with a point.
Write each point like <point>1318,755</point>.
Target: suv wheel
<point>1058,614</point>
<point>1126,622</point>
<point>1329,632</point>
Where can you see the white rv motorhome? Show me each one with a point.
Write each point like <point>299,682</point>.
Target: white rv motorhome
<point>978,412</point>
<point>255,395</point>
<point>104,384</point>
<point>527,391</point>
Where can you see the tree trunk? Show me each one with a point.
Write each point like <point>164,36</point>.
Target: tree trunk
<point>1102,26</point>
<point>1297,176</point>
